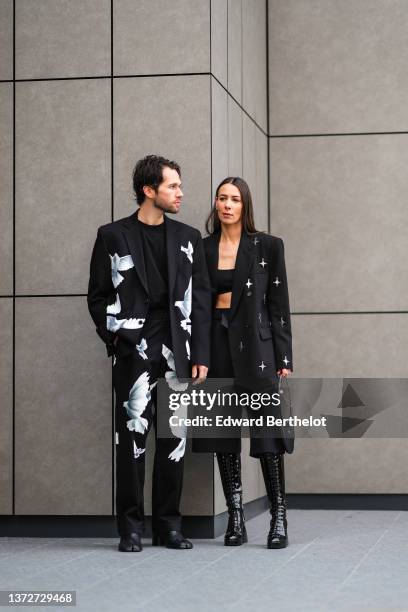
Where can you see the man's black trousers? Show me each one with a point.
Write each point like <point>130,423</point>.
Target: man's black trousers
<point>134,378</point>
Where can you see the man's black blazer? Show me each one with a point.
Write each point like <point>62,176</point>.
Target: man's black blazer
<point>118,298</point>
<point>259,328</point>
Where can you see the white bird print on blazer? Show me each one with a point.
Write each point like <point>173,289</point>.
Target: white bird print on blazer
<point>169,357</point>
<point>113,324</point>
<point>114,308</point>
<point>171,376</point>
<point>141,348</point>
<point>139,397</point>
<point>188,250</point>
<point>185,307</point>
<point>119,264</point>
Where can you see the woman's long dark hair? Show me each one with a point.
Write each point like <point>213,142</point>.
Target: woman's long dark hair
<point>213,224</point>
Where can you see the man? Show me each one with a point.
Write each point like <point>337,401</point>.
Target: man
<point>149,297</point>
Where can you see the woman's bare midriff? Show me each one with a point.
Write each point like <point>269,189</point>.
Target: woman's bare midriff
<point>223,300</point>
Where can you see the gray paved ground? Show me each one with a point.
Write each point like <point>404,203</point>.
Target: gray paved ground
<point>336,560</point>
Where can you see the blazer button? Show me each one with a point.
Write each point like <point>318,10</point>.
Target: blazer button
<point>249,293</point>
<point>146,301</point>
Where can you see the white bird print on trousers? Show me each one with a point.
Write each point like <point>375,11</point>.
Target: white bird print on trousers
<point>119,264</point>
<point>188,250</point>
<point>114,324</point>
<point>141,348</point>
<point>179,451</point>
<point>137,451</point>
<point>179,431</point>
<point>114,308</point>
<point>185,307</point>
<point>139,397</point>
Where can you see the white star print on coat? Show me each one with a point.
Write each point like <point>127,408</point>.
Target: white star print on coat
<point>185,307</point>
<point>119,264</point>
<point>188,250</point>
<point>139,397</point>
<point>113,324</point>
<point>141,348</point>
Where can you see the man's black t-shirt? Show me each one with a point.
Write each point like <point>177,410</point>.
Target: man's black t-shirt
<point>154,250</point>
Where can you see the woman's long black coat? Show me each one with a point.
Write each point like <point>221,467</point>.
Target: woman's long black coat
<point>259,329</point>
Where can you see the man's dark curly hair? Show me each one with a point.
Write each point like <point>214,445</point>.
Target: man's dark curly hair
<point>149,171</point>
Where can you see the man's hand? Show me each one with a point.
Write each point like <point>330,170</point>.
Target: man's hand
<point>284,372</point>
<point>199,373</point>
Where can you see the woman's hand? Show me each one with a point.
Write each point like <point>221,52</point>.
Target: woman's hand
<point>284,372</point>
<point>199,373</point>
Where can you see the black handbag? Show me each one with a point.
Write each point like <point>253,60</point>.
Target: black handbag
<point>288,430</point>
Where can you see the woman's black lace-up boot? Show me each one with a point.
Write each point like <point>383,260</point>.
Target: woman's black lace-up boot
<point>230,471</point>
<point>274,477</point>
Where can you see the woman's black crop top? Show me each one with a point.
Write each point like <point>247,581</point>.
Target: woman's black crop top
<point>224,280</point>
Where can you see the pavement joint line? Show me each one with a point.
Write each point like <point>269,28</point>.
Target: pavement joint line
<point>179,582</point>
<point>123,569</point>
<point>363,558</point>
<point>256,586</point>
<point>56,567</point>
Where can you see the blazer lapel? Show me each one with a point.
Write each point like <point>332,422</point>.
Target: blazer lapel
<point>134,240</point>
<point>243,266</point>
<point>173,249</point>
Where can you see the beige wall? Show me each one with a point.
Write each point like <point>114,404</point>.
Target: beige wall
<point>338,198</point>
<point>78,134</point>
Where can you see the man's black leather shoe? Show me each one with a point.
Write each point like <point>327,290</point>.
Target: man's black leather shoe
<point>172,539</point>
<point>131,543</point>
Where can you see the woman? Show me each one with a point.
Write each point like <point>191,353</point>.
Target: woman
<point>250,341</point>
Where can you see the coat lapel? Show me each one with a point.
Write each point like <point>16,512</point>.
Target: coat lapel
<point>133,237</point>
<point>211,253</point>
<point>243,267</point>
